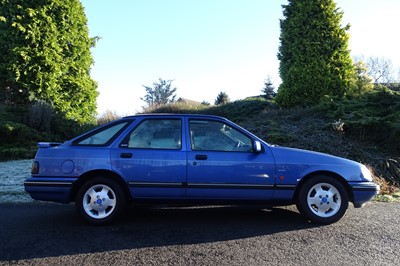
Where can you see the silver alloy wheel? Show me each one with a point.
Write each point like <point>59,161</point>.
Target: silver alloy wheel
<point>99,201</point>
<point>324,200</point>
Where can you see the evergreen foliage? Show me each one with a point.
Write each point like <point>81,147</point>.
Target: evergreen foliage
<point>372,118</point>
<point>314,55</point>
<point>45,56</point>
<point>269,89</point>
<point>222,98</point>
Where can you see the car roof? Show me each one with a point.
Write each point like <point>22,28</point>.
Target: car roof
<point>173,115</point>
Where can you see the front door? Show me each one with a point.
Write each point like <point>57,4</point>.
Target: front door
<point>223,165</point>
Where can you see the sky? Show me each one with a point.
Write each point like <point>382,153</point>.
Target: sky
<point>209,46</point>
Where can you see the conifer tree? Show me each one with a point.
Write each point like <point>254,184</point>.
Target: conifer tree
<point>269,89</point>
<point>222,98</point>
<point>314,55</point>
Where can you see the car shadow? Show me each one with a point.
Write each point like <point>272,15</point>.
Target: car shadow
<point>45,230</point>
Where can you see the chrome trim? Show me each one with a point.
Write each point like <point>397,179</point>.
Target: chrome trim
<point>209,185</point>
<point>285,187</point>
<point>47,183</point>
<point>243,186</point>
<point>155,184</point>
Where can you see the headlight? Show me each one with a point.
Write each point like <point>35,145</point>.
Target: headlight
<point>365,173</point>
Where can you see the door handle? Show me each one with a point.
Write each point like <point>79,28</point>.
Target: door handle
<point>126,155</point>
<point>201,157</point>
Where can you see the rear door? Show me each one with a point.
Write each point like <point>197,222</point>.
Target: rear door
<point>152,159</point>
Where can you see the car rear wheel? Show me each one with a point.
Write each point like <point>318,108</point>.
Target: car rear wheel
<point>323,200</point>
<point>100,201</point>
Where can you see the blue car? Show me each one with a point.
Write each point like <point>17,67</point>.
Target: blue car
<point>191,160</point>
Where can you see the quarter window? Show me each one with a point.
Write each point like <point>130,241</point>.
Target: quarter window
<point>217,136</point>
<point>102,136</point>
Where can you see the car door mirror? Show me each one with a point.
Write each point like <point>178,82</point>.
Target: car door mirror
<point>257,147</point>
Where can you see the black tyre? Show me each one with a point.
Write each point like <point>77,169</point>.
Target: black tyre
<point>323,200</point>
<point>100,201</point>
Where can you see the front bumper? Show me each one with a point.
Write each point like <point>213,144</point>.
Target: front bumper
<point>363,192</point>
<point>50,189</point>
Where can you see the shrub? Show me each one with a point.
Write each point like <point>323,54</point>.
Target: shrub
<point>178,108</point>
<point>11,132</point>
<point>107,116</point>
<point>13,153</point>
<point>236,111</point>
<point>374,117</point>
<point>40,116</point>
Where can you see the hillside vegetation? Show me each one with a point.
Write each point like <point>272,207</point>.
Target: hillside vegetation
<point>21,127</point>
<point>365,129</point>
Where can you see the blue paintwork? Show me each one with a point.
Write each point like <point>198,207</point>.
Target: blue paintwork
<point>271,176</point>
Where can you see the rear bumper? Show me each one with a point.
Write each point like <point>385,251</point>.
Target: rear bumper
<point>50,189</point>
<point>363,192</point>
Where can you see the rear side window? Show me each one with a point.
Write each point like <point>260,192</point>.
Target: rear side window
<point>103,136</point>
<point>156,134</point>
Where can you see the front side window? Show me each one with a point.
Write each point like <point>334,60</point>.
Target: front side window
<point>157,134</point>
<point>217,136</point>
<point>102,136</point>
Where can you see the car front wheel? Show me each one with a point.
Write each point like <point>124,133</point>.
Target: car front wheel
<point>100,201</point>
<point>323,200</point>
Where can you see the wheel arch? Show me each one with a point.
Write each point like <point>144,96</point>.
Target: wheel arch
<point>337,177</point>
<point>97,173</point>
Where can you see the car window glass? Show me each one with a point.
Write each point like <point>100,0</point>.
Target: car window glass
<point>103,136</point>
<point>157,134</point>
<point>217,136</point>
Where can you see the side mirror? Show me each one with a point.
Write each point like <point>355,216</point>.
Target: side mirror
<point>257,147</point>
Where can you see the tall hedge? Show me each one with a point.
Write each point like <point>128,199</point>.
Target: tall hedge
<point>314,55</point>
<point>45,56</point>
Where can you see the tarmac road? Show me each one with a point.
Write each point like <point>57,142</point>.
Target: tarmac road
<point>52,234</point>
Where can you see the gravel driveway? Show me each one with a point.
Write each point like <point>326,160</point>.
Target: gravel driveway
<point>52,234</point>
